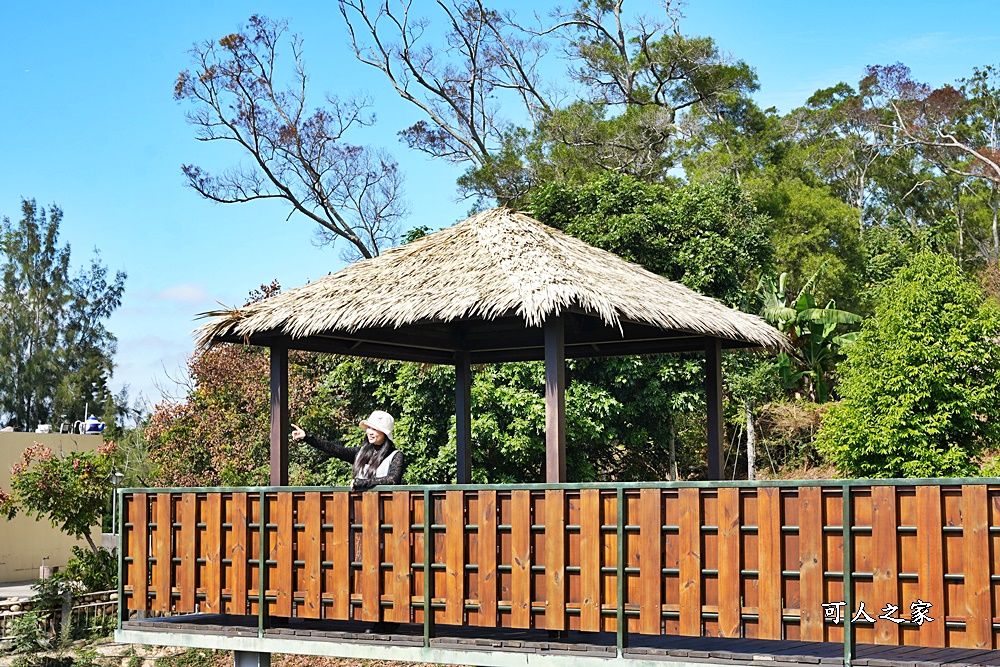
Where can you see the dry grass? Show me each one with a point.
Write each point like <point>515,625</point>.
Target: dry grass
<point>793,416</point>
<point>497,263</point>
<point>786,440</point>
<point>804,471</point>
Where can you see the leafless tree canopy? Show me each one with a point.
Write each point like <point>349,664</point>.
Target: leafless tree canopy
<point>632,79</point>
<point>955,129</point>
<point>296,152</point>
<point>456,80</point>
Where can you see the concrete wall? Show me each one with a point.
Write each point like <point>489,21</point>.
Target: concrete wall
<point>24,541</point>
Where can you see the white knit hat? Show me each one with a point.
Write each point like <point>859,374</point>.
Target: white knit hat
<point>380,421</point>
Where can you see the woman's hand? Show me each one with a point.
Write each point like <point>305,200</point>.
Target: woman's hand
<point>360,484</point>
<point>297,433</point>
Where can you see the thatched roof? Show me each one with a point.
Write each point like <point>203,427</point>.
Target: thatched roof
<point>497,264</point>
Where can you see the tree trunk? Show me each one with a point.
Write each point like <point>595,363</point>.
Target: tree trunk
<point>960,216</point>
<point>751,441</point>
<point>996,236</point>
<point>90,541</point>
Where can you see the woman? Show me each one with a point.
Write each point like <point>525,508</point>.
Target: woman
<point>376,461</point>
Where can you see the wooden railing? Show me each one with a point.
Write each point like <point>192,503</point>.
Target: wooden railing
<point>722,559</point>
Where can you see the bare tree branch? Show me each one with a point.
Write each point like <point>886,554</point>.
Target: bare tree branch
<point>637,76</point>
<point>297,153</point>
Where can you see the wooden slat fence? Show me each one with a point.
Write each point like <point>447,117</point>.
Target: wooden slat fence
<point>734,560</point>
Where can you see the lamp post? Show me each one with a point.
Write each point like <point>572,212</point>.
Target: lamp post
<point>116,479</point>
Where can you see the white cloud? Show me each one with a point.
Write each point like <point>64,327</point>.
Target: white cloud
<point>151,365</point>
<point>185,292</point>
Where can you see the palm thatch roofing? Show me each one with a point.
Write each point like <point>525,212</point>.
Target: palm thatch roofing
<point>486,286</point>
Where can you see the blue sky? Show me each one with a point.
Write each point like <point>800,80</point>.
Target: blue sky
<point>87,121</point>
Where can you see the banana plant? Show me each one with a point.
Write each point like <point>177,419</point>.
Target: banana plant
<point>812,331</point>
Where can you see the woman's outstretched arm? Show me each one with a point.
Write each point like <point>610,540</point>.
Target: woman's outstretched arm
<point>335,449</point>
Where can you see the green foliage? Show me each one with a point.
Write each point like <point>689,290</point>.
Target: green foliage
<point>49,594</point>
<point>707,237</point>
<point>811,229</point>
<point>614,417</point>
<point>812,332</point>
<point>93,570</point>
<point>652,402</point>
<point>70,490</point>
<point>751,381</point>
<point>55,353</point>
<point>735,140</point>
<point>886,251</point>
<point>921,385</point>
<point>25,631</point>
<point>422,400</point>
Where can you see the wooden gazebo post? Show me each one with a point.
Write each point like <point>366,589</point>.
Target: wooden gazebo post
<point>463,417</point>
<point>279,415</point>
<point>555,400</point>
<point>713,401</point>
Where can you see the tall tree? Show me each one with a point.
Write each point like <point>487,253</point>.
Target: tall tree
<point>955,129</point>
<point>219,433</point>
<point>709,237</point>
<point>632,79</point>
<point>55,353</point>
<point>297,152</point>
<point>811,228</point>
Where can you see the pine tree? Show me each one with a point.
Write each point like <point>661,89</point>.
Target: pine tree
<point>55,353</point>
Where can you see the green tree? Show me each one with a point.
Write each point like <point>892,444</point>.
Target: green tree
<point>219,433</point>
<point>709,237</point>
<point>636,77</point>
<point>812,228</point>
<point>71,491</point>
<point>921,385</point>
<point>735,139</point>
<point>55,352</point>
<point>752,381</point>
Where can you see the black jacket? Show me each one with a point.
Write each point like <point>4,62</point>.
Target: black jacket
<point>347,454</point>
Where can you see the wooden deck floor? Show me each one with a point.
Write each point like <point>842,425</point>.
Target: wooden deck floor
<point>662,648</point>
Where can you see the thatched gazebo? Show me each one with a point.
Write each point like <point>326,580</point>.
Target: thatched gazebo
<point>497,287</point>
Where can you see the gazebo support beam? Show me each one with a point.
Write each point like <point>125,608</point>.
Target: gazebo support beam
<point>279,415</point>
<point>713,400</point>
<point>555,400</point>
<point>463,417</point>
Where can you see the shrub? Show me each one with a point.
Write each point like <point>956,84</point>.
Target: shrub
<point>95,571</point>
<point>921,385</point>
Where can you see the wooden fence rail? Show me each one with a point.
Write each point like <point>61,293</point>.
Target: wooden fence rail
<point>729,560</point>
